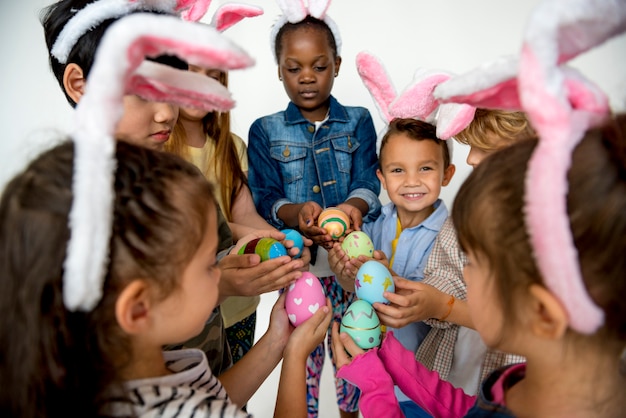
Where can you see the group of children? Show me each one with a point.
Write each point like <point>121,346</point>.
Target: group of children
<point>470,305</point>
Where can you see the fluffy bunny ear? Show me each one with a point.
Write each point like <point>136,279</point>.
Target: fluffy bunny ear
<point>377,82</point>
<point>231,14</point>
<point>294,10</point>
<point>568,106</point>
<point>193,10</point>
<point>122,50</point>
<point>318,8</point>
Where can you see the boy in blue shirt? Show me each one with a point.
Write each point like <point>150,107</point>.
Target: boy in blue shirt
<point>414,165</point>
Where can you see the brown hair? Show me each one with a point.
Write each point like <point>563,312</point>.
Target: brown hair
<point>56,362</point>
<point>488,215</point>
<point>493,129</point>
<point>417,130</point>
<point>224,163</point>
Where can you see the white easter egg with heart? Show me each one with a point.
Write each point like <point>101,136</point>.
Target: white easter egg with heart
<point>304,297</point>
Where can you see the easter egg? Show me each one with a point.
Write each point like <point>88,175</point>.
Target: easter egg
<point>298,242</point>
<point>362,324</point>
<point>372,279</point>
<point>357,243</point>
<point>304,298</point>
<point>265,247</point>
<point>334,221</point>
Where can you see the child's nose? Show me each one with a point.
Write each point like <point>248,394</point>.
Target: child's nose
<point>165,112</point>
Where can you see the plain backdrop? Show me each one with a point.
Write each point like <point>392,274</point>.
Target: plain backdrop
<point>452,35</point>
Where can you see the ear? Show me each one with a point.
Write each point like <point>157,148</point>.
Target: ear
<point>448,173</point>
<point>132,307</point>
<point>549,319</point>
<point>280,77</point>
<point>380,176</point>
<point>337,65</point>
<point>74,81</point>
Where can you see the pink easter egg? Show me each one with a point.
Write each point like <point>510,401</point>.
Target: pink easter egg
<point>304,298</point>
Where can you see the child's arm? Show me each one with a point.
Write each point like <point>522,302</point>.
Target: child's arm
<point>337,260</point>
<point>366,371</point>
<point>416,301</point>
<point>244,212</point>
<point>291,399</point>
<point>423,386</point>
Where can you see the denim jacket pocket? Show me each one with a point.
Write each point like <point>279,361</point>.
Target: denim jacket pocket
<point>291,159</point>
<point>344,147</point>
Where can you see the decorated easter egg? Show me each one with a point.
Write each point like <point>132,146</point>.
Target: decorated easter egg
<point>298,242</point>
<point>362,324</point>
<point>372,279</point>
<point>334,221</point>
<point>265,247</point>
<point>304,298</point>
<point>357,243</point>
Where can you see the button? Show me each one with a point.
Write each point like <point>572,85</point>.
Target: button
<point>316,189</point>
<point>310,128</point>
<point>286,152</point>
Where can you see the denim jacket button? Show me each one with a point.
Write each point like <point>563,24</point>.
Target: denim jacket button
<point>286,152</point>
<point>311,128</point>
<point>316,189</point>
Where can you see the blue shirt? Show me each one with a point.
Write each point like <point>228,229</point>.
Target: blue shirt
<point>292,162</point>
<point>412,251</point>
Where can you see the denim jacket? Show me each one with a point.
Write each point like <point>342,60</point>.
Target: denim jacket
<point>290,162</point>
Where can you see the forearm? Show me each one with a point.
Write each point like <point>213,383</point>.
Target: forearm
<point>291,399</point>
<point>246,376</point>
<point>289,214</point>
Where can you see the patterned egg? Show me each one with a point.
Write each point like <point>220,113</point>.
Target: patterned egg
<point>372,279</point>
<point>266,247</point>
<point>334,221</point>
<point>362,324</point>
<point>298,242</point>
<point>357,243</point>
<point>304,298</point>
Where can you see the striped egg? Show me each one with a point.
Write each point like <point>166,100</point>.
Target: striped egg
<point>334,221</point>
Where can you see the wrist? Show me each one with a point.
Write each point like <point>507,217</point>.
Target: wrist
<point>448,308</point>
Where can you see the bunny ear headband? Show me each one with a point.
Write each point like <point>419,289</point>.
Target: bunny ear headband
<point>416,101</point>
<point>119,69</point>
<point>561,105</point>
<point>295,11</point>
<point>97,12</point>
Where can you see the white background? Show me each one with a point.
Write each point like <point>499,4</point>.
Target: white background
<point>453,35</point>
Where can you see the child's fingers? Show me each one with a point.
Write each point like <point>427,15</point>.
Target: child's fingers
<point>339,352</point>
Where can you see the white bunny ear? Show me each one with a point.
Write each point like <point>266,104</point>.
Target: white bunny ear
<point>377,82</point>
<point>231,14</point>
<point>193,10</point>
<point>318,8</point>
<point>121,51</point>
<point>294,10</point>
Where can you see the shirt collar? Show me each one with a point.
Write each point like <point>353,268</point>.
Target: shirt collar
<point>433,222</point>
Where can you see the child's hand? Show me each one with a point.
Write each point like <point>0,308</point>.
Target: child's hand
<point>307,221</point>
<point>309,334</point>
<point>344,348</point>
<point>411,302</point>
<point>337,260</point>
<point>258,233</point>
<point>355,215</point>
<point>279,328</point>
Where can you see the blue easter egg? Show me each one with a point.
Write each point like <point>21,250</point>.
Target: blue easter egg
<point>372,279</point>
<point>298,242</point>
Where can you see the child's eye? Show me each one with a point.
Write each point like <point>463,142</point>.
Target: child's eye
<point>427,168</point>
<point>320,69</point>
<point>293,70</point>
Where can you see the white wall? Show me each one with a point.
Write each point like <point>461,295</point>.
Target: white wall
<point>454,35</point>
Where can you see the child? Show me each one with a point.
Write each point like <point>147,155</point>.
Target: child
<point>205,139</point>
<point>161,285</point>
<point>514,306</point>
<point>242,275</point>
<point>315,154</point>
<point>414,165</point>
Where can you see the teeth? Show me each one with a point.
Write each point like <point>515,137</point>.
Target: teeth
<point>413,194</point>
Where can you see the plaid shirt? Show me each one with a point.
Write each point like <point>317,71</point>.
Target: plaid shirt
<point>444,271</point>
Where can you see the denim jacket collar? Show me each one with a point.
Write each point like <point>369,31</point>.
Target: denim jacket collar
<point>337,113</point>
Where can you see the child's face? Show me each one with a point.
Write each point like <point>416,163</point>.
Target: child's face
<point>194,114</point>
<point>308,69</point>
<point>184,312</point>
<point>145,123</point>
<point>413,172</point>
<point>476,155</point>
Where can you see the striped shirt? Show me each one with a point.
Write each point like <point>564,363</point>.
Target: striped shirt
<point>444,271</point>
<point>191,391</point>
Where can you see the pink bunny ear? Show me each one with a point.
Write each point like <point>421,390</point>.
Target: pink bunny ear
<point>115,72</point>
<point>193,10</point>
<point>230,14</point>
<point>377,82</point>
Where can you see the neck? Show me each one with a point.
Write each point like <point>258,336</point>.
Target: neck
<point>146,362</point>
<point>588,385</point>
<point>318,114</point>
<point>410,219</point>
<point>194,131</point>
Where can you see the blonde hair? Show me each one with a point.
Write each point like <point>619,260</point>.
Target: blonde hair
<point>493,129</point>
<point>224,163</point>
